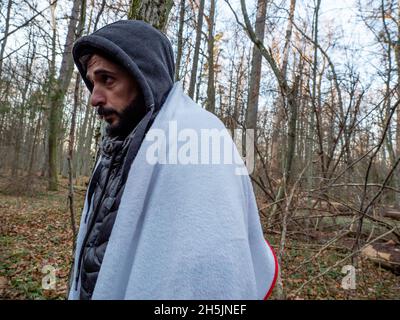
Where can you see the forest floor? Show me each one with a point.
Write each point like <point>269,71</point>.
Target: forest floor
<point>36,240</point>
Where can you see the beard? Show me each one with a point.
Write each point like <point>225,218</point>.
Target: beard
<point>126,120</point>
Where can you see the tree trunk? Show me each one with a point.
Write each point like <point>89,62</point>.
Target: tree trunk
<point>238,91</point>
<point>193,75</point>
<point>255,75</point>
<point>155,12</point>
<point>4,42</point>
<point>71,142</point>
<point>80,155</point>
<point>33,147</point>
<point>19,137</point>
<point>57,96</point>
<point>96,22</point>
<point>397,55</point>
<point>199,80</point>
<point>210,102</point>
<point>280,105</point>
<point>313,114</point>
<point>180,39</point>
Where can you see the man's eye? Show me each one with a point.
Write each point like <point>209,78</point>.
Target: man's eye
<point>107,79</point>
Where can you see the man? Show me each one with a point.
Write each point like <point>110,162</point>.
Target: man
<point>157,224</point>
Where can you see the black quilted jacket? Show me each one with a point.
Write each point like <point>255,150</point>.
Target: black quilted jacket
<point>105,202</point>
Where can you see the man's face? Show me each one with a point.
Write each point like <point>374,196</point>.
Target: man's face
<point>115,94</point>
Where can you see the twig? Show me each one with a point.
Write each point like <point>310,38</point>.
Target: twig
<point>323,248</point>
<point>27,22</point>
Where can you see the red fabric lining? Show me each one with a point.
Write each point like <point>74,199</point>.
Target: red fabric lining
<point>275,275</point>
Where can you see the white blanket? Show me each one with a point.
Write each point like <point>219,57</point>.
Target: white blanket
<point>184,231</point>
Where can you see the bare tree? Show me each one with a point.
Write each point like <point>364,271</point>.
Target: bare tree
<point>6,30</point>
<point>255,75</point>
<point>199,28</point>
<point>180,39</point>
<point>210,102</point>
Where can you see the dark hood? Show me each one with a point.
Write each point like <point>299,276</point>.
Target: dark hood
<point>141,49</point>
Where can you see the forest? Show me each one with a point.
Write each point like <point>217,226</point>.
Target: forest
<point>317,80</point>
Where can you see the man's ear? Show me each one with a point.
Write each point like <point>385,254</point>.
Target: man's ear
<point>83,60</point>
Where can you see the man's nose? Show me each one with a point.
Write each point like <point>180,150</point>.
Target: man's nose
<point>97,98</point>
